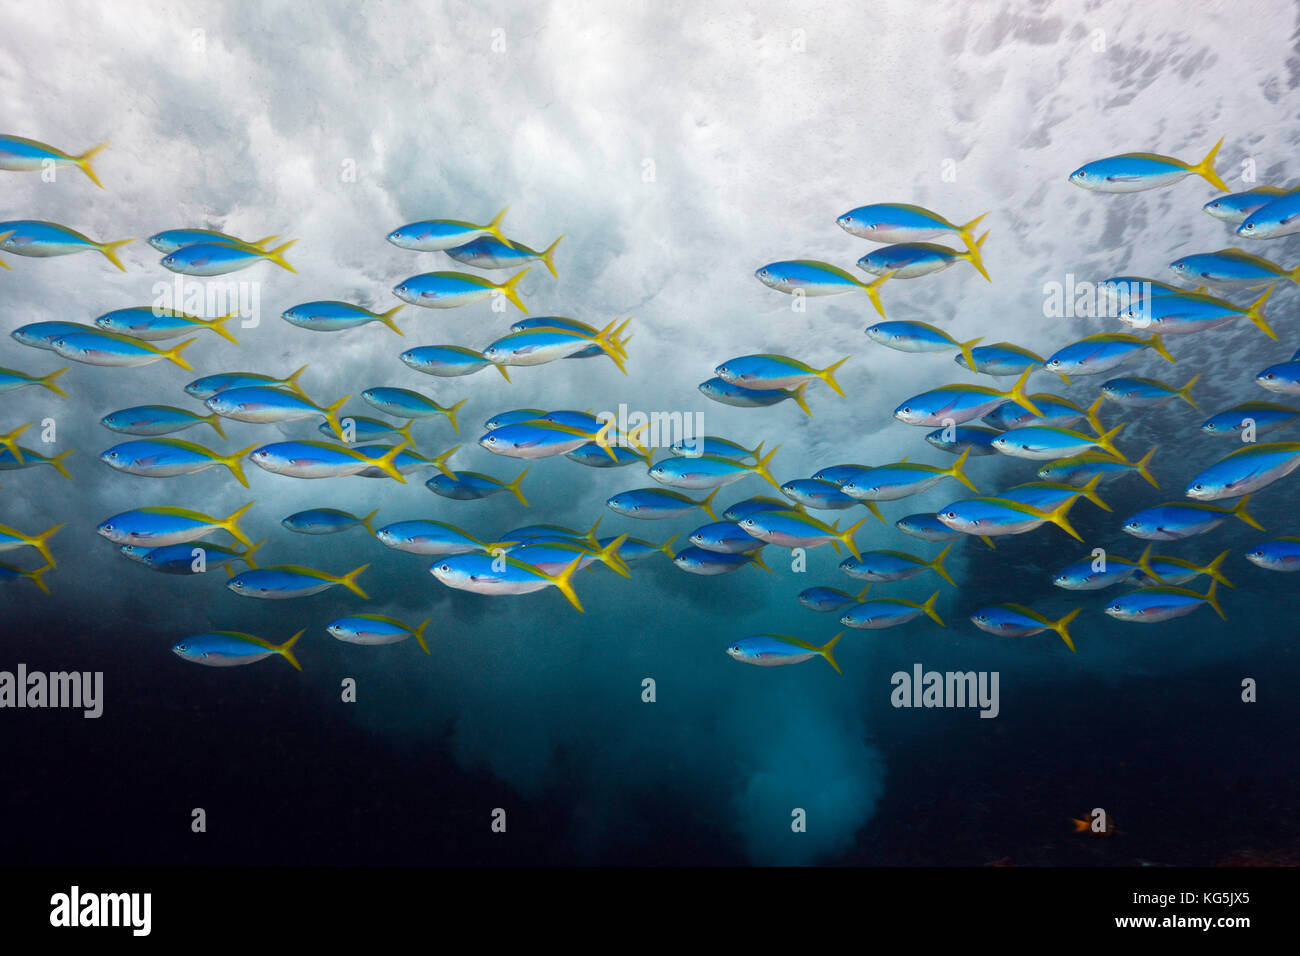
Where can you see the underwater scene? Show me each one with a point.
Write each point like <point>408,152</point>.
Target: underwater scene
<point>748,434</point>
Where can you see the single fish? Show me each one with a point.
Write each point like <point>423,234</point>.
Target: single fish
<point>990,517</point>
<point>405,403</point>
<point>231,648</point>
<point>824,599</point>
<point>901,222</point>
<point>593,456</point>
<point>12,539</point>
<point>1096,573</point>
<point>195,557</point>
<point>318,459</point>
<point>919,337</point>
<point>1162,570</point>
<point>1191,312</point>
<point>927,527</point>
<point>1001,359</point>
<point>808,277</point>
<point>431,538</point>
<point>708,471</point>
<point>973,439</point>
<point>1016,620</point>
<point>489,252</point>
<point>1245,471</point>
<point>169,240</point>
<point>1056,411</point>
<point>957,404</point>
<point>889,612</point>
<point>38,239</point>
<point>1103,352</point>
<point>1147,392</point>
<point>751,506</point>
<point>472,486</point>
<point>159,526</point>
<point>903,479</point>
<point>773,650</point>
<point>1177,520</point>
<point>711,445</point>
<point>39,335</point>
<point>284,581</point>
<point>1081,469</point>
<point>504,575</point>
<point>1281,217</point>
<point>738,396</point>
<point>540,346</point>
<point>887,566</point>
<point>10,573</point>
<point>373,629</point>
<point>170,458</point>
<point>220,258</point>
<point>327,521</point>
<point>1135,172</point>
<point>331,316</point>
<point>1046,495</point>
<point>1283,378</point>
<point>704,562</point>
<point>725,537</point>
<point>261,404</point>
<point>20,457</point>
<point>819,495</point>
<point>1262,416</point>
<point>1232,269</point>
<point>108,349</point>
<point>571,325</point>
<point>794,529</point>
<point>359,428</point>
<point>204,388</point>
<point>449,290</point>
<point>1153,605</point>
<point>910,260</point>
<point>437,235</point>
<point>1041,443</point>
<point>150,324</point>
<point>1280,554</point>
<point>658,503</point>
<point>21,155</point>
<point>11,380</point>
<point>448,361</point>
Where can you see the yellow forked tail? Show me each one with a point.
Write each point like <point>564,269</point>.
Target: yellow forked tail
<point>846,536</point>
<point>387,319</point>
<point>1157,342</point>
<point>386,460</point>
<point>419,635</point>
<point>967,354</point>
<point>1212,569</point>
<point>1239,511</point>
<point>967,233</point>
<point>508,288</point>
<point>928,608</point>
<point>285,650</point>
<point>276,255</point>
<point>937,564</point>
<point>440,462</point>
<point>291,382</point>
<point>1205,168</point>
<point>957,470</point>
<point>494,227</point>
<point>231,524</point>
<point>10,441</point>
<point>365,520</point>
<point>37,577</point>
<point>233,462</point>
<point>1057,515</point>
<point>451,414</point>
<point>349,581</point>
<point>1018,394</point>
<point>47,381</point>
<point>57,463</point>
<point>707,503</point>
<point>1106,442</point>
<point>1255,312</point>
<point>109,249</point>
<point>873,290</point>
<point>331,413</point>
<point>973,256</point>
<point>548,258</point>
<point>760,467</point>
<point>1089,491</point>
<point>1185,393</point>
<point>516,487</point>
<point>1143,469</point>
<point>827,651</point>
<point>1062,627</point>
<point>174,354</point>
<point>800,396</point>
<point>218,325</point>
<point>609,557</point>
<point>41,542</point>
<point>1212,599</point>
<point>827,375</point>
<point>564,581</point>
<point>83,161</point>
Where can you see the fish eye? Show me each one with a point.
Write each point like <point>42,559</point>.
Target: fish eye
<point>1200,487</point>
<point>951,514</point>
<point>1247,227</point>
<point>907,409</point>
<point>445,568</point>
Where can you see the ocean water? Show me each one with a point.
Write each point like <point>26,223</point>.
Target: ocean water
<point>678,150</point>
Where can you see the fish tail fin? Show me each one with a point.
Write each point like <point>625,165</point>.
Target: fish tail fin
<point>10,441</point>
<point>1239,510</point>
<point>827,651</point>
<point>292,382</point>
<point>174,355</point>
<point>967,354</point>
<point>1157,342</point>
<point>109,250</point>
<point>1212,599</point>
<point>590,536</point>
<point>47,381</point>
<point>331,413</point>
<point>405,431</point>
<point>667,546</point>
<point>564,581</point>
<point>1057,516</point>
<point>41,542</point>
<point>285,650</point>
<point>232,461</point>
<point>387,459</point>
<point>214,420</point>
<point>502,370</point>
<point>928,608</point>
<point>548,258</point>
<point>846,536</point>
<point>608,345</point>
<point>974,257</point>
<point>451,415</point>
<point>349,581</point>
<point>1106,441</point>
<point>218,325</point>
<point>1018,394</point>
<point>365,520</point>
<point>862,595</point>
<point>800,396</point>
<point>83,162</point>
<point>937,564</point>
<point>989,541</point>
<point>958,470</point>
<point>1144,471</point>
<point>261,243</point>
<point>1144,562</point>
<point>508,289</point>
<point>494,227</point>
<point>1205,168</point>
<point>967,233</point>
<point>440,462</point>
<point>231,524</point>
<point>1185,393</point>
<point>1255,312</point>
<point>707,503</point>
<point>871,506</point>
<point>1212,569</point>
<point>419,634</point>
<point>756,558</point>
<point>873,290</point>
<point>515,488</point>
<point>1062,627</point>
<point>276,255</point>
<point>37,577</point>
<point>827,375</point>
<point>247,555</point>
<point>609,556</point>
<point>1089,491</point>
<point>57,463</point>
<point>387,319</point>
<point>760,467</point>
